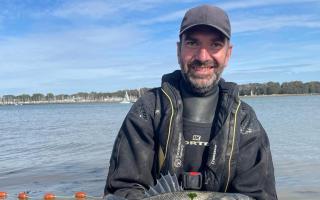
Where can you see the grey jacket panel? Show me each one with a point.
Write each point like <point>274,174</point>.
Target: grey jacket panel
<point>132,158</point>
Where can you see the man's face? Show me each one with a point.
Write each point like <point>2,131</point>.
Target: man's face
<point>203,54</point>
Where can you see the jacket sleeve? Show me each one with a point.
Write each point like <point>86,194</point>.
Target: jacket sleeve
<point>254,174</point>
<point>131,162</point>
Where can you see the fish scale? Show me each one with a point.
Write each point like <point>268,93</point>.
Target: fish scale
<point>185,195</point>
<point>168,188</point>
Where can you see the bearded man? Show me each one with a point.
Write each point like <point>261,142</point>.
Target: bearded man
<point>194,125</point>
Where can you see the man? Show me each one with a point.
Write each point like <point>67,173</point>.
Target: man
<point>195,125</point>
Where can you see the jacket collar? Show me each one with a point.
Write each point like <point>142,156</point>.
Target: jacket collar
<point>228,94</point>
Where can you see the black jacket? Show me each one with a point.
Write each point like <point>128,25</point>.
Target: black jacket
<point>150,142</point>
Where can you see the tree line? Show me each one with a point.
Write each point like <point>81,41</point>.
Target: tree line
<point>270,88</point>
<point>78,97</point>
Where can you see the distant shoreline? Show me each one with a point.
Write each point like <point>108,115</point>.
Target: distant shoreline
<point>279,95</point>
<point>57,102</point>
<point>293,88</point>
<point>119,100</point>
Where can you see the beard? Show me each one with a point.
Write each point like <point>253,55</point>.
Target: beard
<point>201,84</point>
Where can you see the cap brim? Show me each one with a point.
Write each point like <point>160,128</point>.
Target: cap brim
<point>210,25</point>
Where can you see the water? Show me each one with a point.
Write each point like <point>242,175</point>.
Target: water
<point>293,124</point>
<point>58,148</point>
<point>65,148</point>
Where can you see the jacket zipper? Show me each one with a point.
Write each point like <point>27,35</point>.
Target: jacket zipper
<point>232,146</point>
<point>170,125</point>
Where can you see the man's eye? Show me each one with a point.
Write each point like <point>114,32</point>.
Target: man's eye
<point>217,45</point>
<point>191,43</point>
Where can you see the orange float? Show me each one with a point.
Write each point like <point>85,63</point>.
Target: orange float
<point>49,196</point>
<point>80,195</point>
<point>3,195</point>
<point>23,196</point>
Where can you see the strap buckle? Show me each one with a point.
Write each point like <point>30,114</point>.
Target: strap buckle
<point>192,180</point>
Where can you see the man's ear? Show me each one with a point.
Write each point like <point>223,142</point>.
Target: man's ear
<point>179,52</point>
<point>228,54</point>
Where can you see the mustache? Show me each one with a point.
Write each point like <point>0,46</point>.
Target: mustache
<point>198,63</point>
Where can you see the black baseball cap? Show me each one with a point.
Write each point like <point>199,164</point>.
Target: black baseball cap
<point>206,15</point>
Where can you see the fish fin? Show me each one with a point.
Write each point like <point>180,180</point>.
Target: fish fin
<point>113,197</point>
<point>166,184</point>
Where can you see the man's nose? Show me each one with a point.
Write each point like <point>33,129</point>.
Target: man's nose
<point>203,54</point>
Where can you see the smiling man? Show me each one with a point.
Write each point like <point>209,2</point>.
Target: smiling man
<point>194,125</point>
<point>203,54</point>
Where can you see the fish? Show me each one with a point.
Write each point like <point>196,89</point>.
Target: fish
<point>167,187</point>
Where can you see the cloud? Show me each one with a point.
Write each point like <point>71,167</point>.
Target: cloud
<point>114,43</point>
<point>95,54</point>
<point>164,18</point>
<point>229,6</point>
<point>74,10</point>
<point>91,9</point>
<point>254,23</point>
<point>97,9</point>
<point>234,5</point>
<point>273,68</point>
<point>79,48</point>
<point>304,72</point>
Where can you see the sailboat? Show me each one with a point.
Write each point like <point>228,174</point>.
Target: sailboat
<point>126,98</point>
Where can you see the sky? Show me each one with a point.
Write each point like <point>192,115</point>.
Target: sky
<point>70,46</point>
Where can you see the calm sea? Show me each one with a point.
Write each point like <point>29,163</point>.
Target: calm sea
<point>65,148</point>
